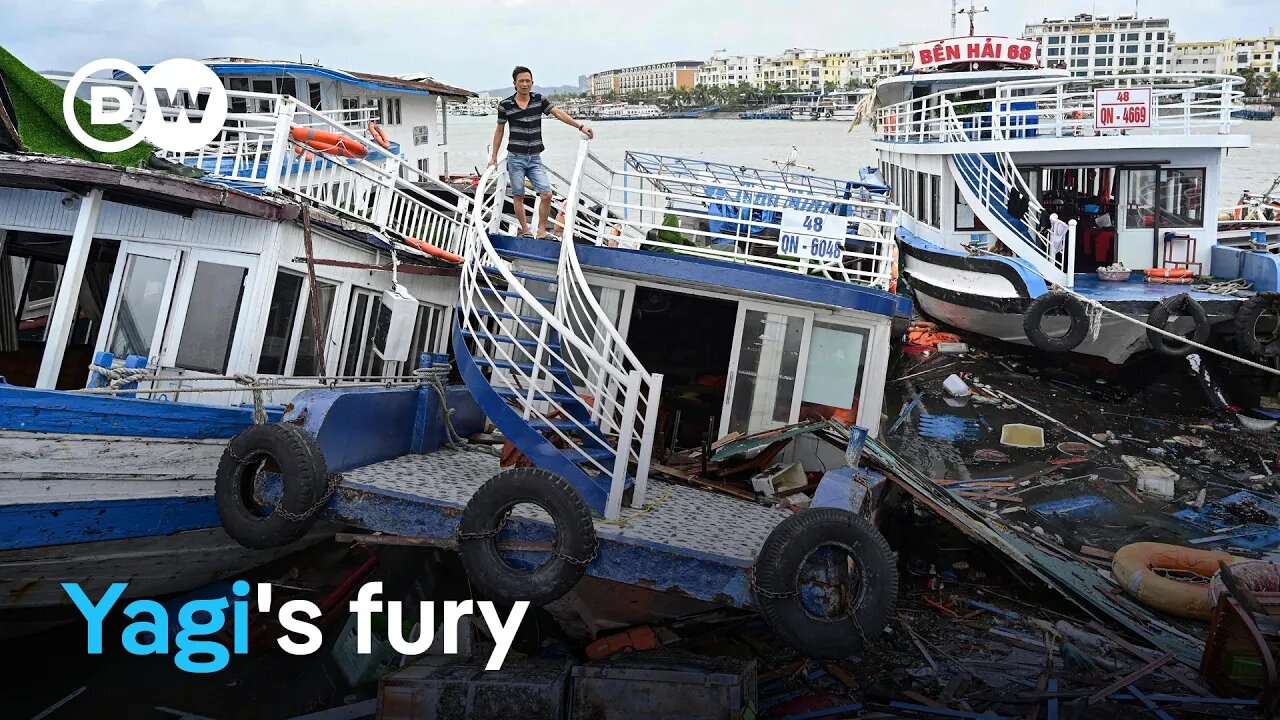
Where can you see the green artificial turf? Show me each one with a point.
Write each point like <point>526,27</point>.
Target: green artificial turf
<point>38,105</point>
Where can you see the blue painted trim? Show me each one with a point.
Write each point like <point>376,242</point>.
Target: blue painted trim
<point>1031,279</point>
<point>358,426</point>
<point>354,427</point>
<point>58,411</point>
<point>666,568</point>
<point>66,523</point>
<point>1260,268</point>
<point>733,277</point>
<point>517,430</point>
<point>223,69</point>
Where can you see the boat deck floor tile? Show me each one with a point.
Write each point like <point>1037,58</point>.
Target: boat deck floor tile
<point>677,516</point>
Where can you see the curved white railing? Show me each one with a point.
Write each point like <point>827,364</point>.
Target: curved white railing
<point>254,148</point>
<point>991,189</point>
<point>577,305</point>
<point>515,335</point>
<point>1181,104</point>
<point>634,209</point>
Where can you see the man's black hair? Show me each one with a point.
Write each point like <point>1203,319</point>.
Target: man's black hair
<point>520,69</point>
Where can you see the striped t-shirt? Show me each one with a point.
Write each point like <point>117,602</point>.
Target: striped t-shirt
<point>526,124</point>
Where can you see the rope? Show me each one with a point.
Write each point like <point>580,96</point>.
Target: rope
<point>434,377</point>
<point>1223,288</point>
<point>121,376</point>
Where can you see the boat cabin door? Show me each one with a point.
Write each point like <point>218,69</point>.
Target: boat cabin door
<point>138,301</point>
<point>766,369</point>
<point>207,334</point>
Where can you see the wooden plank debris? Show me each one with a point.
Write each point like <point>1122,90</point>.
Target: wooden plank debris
<point>1131,678</point>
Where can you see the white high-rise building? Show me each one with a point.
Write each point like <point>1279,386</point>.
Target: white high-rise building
<point>724,70</point>
<point>1091,45</point>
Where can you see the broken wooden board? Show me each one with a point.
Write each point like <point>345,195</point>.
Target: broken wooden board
<point>748,443</point>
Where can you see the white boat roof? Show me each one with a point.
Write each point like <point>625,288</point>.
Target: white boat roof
<point>895,88</point>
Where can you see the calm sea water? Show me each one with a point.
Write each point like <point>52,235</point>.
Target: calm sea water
<point>831,148</point>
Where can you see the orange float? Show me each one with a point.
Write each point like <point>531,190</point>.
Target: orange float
<point>1134,567</point>
<point>380,137</point>
<point>329,142</point>
<point>1168,272</point>
<point>432,250</point>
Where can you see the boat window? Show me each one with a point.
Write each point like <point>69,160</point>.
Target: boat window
<point>392,116</point>
<point>280,324</point>
<point>426,335</point>
<point>833,373</point>
<point>1178,194</point>
<point>313,95</point>
<point>964,217</point>
<point>306,363</point>
<point>266,87</point>
<point>238,84</point>
<point>37,289</point>
<point>935,189</point>
<point>287,86</point>
<point>765,381</point>
<point>206,336</point>
<point>375,336</point>
<point>356,322</point>
<point>141,295</point>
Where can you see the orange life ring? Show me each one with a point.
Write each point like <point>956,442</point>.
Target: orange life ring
<point>1134,567</point>
<point>329,142</point>
<point>380,137</point>
<point>433,250</point>
<point>1169,272</point>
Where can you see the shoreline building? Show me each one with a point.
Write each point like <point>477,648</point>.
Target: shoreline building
<point>725,70</point>
<point>1230,55</point>
<point>654,77</point>
<point>803,68</point>
<point>1093,45</point>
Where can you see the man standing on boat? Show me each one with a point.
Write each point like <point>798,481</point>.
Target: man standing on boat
<point>524,111</point>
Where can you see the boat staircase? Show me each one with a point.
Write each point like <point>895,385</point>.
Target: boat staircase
<point>537,351</point>
<point>545,363</point>
<point>987,180</point>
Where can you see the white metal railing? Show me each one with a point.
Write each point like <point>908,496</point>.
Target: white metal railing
<point>636,207</point>
<point>631,411</point>
<point>1181,104</point>
<point>255,148</point>
<point>991,189</point>
<point>523,342</point>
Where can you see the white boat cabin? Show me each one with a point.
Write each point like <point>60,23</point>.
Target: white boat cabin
<point>198,281</point>
<point>1070,174</point>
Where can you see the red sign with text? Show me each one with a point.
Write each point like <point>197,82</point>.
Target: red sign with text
<point>979,49</point>
<point>1122,108</point>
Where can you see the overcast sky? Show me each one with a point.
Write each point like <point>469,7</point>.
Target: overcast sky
<point>475,43</point>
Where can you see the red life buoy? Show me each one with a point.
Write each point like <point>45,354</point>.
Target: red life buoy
<point>329,142</point>
<point>433,250</point>
<point>380,137</point>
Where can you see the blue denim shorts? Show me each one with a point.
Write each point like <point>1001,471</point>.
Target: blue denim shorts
<point>521,166</point>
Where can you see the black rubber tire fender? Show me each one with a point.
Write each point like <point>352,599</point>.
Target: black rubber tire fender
<point>1246,320</point>
<point>1058,300</point>
<point>777,576</point>
<point>1182,304</point>
<point>575,536</point>
<point>276,447</point>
